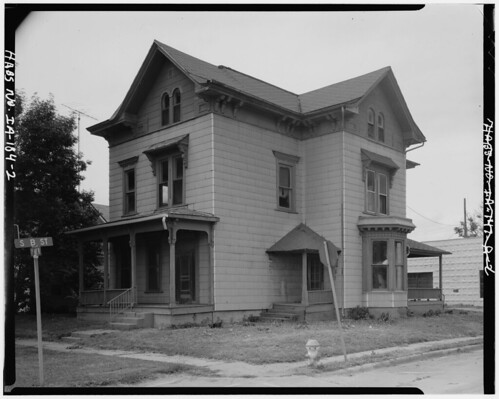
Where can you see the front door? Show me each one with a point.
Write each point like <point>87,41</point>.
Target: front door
<point>185,278</point>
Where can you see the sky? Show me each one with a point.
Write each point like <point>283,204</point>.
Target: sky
<point>88,60</point>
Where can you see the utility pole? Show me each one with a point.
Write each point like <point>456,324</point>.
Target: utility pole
<point>465,222</point>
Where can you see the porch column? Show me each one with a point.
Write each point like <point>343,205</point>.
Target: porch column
<point>106,266</point>
<point>112,267</point>
<point>172,238</point>
<point>304,291</point>
<point>81,282</point>
<point>133,261</point>
<point>211,271</point>
<point>440,279</point>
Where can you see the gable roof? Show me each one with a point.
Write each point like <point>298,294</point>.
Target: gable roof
<point>348,91</point>
<point>203,73</point>
<point>303,239</point>
<point>208,76</point>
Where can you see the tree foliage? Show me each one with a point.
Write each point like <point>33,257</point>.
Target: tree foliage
<point>49,204</point>
<point>474,225</point>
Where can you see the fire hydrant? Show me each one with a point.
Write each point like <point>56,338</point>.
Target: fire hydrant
<point>312,347</point>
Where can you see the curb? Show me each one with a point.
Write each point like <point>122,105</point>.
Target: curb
<point>411,358</point>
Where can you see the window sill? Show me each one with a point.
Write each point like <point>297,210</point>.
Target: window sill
<point>375,214</point>
<point>287,210</point>
<point>153,292</point>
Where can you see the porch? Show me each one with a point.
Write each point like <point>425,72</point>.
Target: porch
<point>161,264</point>
<point>300,261</point>
<point>421,294</point>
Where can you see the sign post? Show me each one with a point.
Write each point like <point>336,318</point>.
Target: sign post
<point>35,244</point>
<point>329,268</point>
<point>36,252</point>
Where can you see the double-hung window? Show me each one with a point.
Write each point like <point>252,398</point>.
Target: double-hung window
<point>165,110</point>
<point>376,192</point>
<point>380,265</point>
<point>286,181</point>
<point>381,127</point>
<point>176,105</point>
<point>370,123</point>
<point>129,191</point>
<point>129,185</point>
<point>171,181</point>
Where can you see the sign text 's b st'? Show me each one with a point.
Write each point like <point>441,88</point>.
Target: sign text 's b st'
<point>35,242</point>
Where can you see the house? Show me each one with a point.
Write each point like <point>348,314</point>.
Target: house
<point>224,189</point>
<point>461,276</point>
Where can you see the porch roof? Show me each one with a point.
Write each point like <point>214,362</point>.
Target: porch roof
<point>170,214</point>
<point>303,239</point>
<point>420,250</point>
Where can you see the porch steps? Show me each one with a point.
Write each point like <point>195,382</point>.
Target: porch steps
<point>284,312</point>
<point>132,320</point>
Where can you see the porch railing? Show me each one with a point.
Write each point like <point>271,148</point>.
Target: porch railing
<point>99,297</point>
<point>424,293</point>
<point>320,297</point>
<point>122,302</point>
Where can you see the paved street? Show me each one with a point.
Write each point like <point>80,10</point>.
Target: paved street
<point>458,373</point>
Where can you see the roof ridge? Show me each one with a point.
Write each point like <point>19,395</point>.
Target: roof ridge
<point>387,68</point>
<point>260,80</point>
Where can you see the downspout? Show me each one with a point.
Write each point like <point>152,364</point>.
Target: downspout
<point>343,213</point>
<point>415,148</point>
<point>163,220</point>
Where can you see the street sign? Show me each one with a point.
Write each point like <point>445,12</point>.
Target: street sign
<point>34,242</point>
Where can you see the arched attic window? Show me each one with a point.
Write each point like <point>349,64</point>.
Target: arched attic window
<point>370,123</point>
<point>177,99</point>
<point>381,127</point>
<point>165,109</point>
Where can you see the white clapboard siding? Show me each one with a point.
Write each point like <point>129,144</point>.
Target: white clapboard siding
<point>355,206</point>
<point>245,201</point>
<point>198,175</point>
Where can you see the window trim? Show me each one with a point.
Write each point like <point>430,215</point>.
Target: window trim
<point>170,158</point>
<point>165,108</point>
<point>128,165</point>
<point>286,161</point>
<point>371,120</point>
<point>377,194</point>
<point>176,106</point>
<point>381,127</point>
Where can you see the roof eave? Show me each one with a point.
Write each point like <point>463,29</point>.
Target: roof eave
<point>222,89</point>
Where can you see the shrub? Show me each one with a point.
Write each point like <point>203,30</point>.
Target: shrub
<point>384,317</point>
<point>358,313</point>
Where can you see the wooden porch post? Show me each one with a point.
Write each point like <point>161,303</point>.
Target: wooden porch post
<point>172,238</point>
<point>304,291</point>
<point>106,266</point>
<point>133,251</point>
<point>211,271</point>
<point>440,275</point>
<point>81,281</point>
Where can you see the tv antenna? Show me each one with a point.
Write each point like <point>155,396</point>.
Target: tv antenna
<point>79,113</point>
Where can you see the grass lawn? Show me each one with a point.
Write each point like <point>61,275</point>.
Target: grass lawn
<point>260,343</point>
<point>66,369</point>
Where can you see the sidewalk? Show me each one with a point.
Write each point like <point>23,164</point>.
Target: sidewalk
<point>229,369</point>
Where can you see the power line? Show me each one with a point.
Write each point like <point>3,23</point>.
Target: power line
<point>431,220</point>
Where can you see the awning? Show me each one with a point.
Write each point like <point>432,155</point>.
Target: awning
<point>369,157</point>
<point>419,250</point>
<point>303,239</point>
